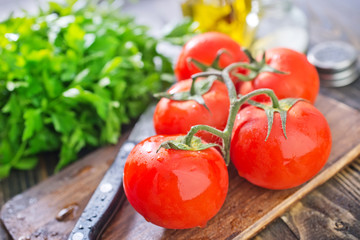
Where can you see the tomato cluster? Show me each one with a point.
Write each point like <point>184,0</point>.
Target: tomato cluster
<point>176,180</point>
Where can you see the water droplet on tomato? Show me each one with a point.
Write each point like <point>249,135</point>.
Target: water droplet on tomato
<point>203,225</point>
<point>193,168</point>
<point>160,159</point>
<point>148,147</point>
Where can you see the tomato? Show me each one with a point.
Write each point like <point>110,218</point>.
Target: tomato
<point>280,163</point>
<point>175,189</point>
<point>302,80</point>
<point>177,117</point>
<point>204,48</point>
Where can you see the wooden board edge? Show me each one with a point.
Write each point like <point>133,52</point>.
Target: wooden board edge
<point>308,187</point>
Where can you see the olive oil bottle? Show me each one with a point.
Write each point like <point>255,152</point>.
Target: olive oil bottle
<point>237,18</point>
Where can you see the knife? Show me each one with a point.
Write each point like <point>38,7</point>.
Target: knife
<point>109,195</point>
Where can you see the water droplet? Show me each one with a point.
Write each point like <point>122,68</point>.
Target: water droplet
<point>32,200</point>
<point>340,225</point>
<point>78,236</point>
<point>106,187</point>
<point>67,213</point>
<point>80,227</point>
<point>103,197</point>
<point>24,238</point>
<point>19,216</point>
<point>37,233</point>
<point>160,159</point>
<point>83,170</point>
<point>95,215</point>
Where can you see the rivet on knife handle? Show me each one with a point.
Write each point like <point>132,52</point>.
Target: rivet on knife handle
<point>106,200</point>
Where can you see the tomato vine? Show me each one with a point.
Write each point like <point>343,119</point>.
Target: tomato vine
<point>280,106</point>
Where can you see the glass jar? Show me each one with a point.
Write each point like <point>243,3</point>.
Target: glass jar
<point>281,25</point>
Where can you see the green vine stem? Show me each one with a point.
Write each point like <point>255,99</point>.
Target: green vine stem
<point>191,142</point>
<point>235,104</point>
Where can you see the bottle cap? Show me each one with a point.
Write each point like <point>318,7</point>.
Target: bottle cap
<point>336,63</point>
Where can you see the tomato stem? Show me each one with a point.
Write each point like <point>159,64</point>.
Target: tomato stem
<point>235,103</point>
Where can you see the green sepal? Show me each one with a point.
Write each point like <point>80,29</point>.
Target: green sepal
<point>214,65</point>
<point>249,55</point>
<point>197,90</point>
<point>203,67</point>
<point>179,144</point>
<point>284,107</point>
<point>255,68</point>
<point>246,78</point>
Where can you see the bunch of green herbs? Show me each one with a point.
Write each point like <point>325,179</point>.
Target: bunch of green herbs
<point>70,78</point>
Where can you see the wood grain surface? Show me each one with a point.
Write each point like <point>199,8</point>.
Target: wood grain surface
<point>329,212</point>
<point>38,213</point>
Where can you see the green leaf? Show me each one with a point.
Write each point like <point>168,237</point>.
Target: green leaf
<point>26,163</point>
<point>81,75</point>
<point>70,77</point>
<point>33,123</point>
<point>111,65</point>
<point>4,170</point>
<point>181,32</point>
<point>63,122</point>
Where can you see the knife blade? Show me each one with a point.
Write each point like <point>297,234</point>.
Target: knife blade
<point>109,195</point>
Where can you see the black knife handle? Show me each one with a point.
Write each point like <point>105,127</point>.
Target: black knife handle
<point>106,200</point>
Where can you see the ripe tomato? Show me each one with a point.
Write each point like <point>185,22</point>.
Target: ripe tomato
<point>175,189</point>
<point>280,163</point>
<point>204,48</point>
<point>177,117</point>
<point>302,80</point>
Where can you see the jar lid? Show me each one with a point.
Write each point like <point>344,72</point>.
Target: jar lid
<point>336,63</point>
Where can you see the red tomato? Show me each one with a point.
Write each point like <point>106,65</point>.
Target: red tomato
<point>280,163</point>
<point>175,189</point>
<point>302,80</point>
<point>177,117</point>
<point>204,48</point>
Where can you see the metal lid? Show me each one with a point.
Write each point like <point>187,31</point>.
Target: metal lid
<point>336,63</point>
<point>339,82</point>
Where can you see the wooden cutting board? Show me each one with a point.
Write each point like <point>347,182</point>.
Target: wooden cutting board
<point>50,209</point>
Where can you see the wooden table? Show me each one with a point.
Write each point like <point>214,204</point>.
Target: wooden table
<point>332,211</point>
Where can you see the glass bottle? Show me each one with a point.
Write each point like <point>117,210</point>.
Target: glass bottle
<point>227,16</point>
